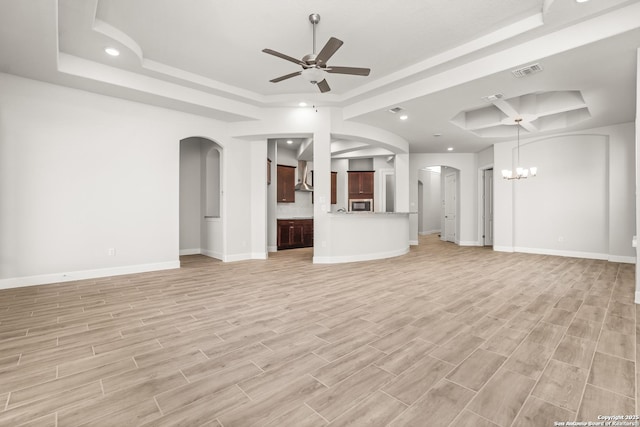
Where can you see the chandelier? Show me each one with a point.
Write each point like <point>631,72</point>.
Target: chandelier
<point>520,172</point>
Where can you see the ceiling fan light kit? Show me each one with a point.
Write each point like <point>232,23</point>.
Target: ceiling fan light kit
<point>313,75</point>
<point>314,66</point>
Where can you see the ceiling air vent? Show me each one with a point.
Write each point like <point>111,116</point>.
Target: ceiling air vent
<point>395,110</point>
<point>491,98</point>
<point>528,70</point>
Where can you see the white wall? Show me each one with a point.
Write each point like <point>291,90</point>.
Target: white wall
<point>485,158</point>
<point>81,173</point>
<point>190,197</point>
<point>578,205</point>
<point>622,191</point>
<point>431,202</point>
<point>637,173</point>
<point>381,167</point>
<point>211,176</point>
<point>341,166</point>
<point>211,223</point>
<point>237,204</point>
<point>258,192</point>
<point>565,208</point>
<point>272,224</point>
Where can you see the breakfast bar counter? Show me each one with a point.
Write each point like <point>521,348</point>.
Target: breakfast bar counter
<point>363,236</point>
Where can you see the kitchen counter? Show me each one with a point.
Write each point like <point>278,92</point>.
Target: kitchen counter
<point>363,236</point>
<point>371,213</point>
<point>294,217</point>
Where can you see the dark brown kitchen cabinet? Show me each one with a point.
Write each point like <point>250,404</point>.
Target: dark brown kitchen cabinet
<point>334,188</point>
<point>307,233</point>
<point>286,179</point>
<point>295,233</point>
<point>361,185</point>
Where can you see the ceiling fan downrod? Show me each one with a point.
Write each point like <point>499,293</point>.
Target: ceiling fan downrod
<point>314,18</point>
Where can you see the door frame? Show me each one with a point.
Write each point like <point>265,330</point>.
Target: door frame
<point>445,198</point>
<point>382,185</point>
<point>487,207</point>
<point>480,200</point>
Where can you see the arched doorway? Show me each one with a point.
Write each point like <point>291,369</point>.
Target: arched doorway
<point>201,201</point>
<point>438,202</point>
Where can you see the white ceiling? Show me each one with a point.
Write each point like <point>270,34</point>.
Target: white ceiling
<point>434,58</point>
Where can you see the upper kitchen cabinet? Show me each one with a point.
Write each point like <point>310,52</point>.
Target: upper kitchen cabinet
<point>334,188</point>
<point>361,184</point>
<point>286,179</point>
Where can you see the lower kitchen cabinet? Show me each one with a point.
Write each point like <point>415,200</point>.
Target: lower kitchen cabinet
<point>295,233</point>
<point>307,233</point>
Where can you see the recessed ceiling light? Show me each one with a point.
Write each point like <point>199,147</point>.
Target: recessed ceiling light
<point>437,134</point>
<point>581,1</point>
<point>302,104</point>
<point>289,141</point>
<point>404,117</point>
<point>112,51</point>
<point>450,149</point>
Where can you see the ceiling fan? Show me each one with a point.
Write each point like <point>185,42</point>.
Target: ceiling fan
<point>314,65</point>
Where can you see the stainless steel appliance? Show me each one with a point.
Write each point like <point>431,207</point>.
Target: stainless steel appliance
<point>360,205</point>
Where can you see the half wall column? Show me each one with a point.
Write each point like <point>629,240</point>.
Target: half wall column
<point>322,183</point>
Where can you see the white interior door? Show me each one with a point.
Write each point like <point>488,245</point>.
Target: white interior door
<point>450,206</point>
<point>488,207</point>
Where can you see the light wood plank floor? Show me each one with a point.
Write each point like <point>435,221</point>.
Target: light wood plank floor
<point>443,336</point>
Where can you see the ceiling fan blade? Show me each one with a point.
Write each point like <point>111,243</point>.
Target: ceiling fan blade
<point>328,50</point>
<point>283,56</point>
<point>324,86</point>
<point>348,70</point>
<point>285,77</point>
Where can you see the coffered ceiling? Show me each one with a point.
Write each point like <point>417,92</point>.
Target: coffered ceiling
<point>433,58</point>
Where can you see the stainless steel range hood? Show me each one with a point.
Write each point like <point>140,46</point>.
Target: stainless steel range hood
<point>303,174</point>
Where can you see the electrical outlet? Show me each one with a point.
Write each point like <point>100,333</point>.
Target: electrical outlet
<point>561,239</point>
<point>111,251</point>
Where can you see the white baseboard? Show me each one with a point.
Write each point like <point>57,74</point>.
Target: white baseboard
<point>637,301</point>
<point>245,256</point>
<point>44,279</point>
<point>194,251</point>
<point>556,252</point>
<point>469,243</point>
<point>571,254</point>
<point>413,243</point>
<point>235,257</point>
<point>259,255</point>
<point>213,254</point>
<point>426,233</point>
<point>272,249</point>
<point>357,258</point>
<point>622,259</point>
